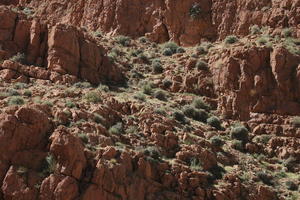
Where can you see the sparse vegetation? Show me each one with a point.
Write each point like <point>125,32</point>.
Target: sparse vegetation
<point>16,100</point>
<point>195,11</point>
<point>201,65</point>
<point>255,30</point>
<point>214,122</point>
<point>161,95</point>
<point>116,129</point>
<point>93,97</point>
<point>231,39</point>
<point>239,133</point>
<point>19,57</point>
<point>123,40</point>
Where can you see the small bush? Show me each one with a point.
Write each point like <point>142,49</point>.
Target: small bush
<point>179,116</point>
<point>214,122</point>
<point>200,104</point>
<point>239,133</point>
<point>238,145</point>
<point>216,141</point>
<point>265,178</point>
<point>27,93</point>
<point>98,118</point>
<point>204,47</point>
<point>201,65</point>
<point>140,96</point>
<point>290,185</point>
<point>48,103</point>
<point>147,89</point>
<point>116,129</point>
<point>287,32</point>
<point>161,95</point>
<point>84,138</point>
<point>167,83</point>
<point>180,50</point>
<point>143,39</point>
<point>13,92</point>
<point>19,86</point>
<point>123,40</point>
<point>255,29</point>
<point>70,104</point>
<point>195,164</point>
<point>170,46</point>
<point>19,57</point>
<point>153,152</point>
<point>195,11</point>
<point>93,97</point>
<point>231,39</point>
<point>49,165</point>
<point>167,52</point>
<point>160,111</point>
<point>16,100</point>
<point>196,114</point>
<point>82,85</point>
<point>296,122</point>
<point>157,67</point>
<point>262,41</point>
<point>143,57</point>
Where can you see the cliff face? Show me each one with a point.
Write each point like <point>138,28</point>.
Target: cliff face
<point>186,22</point>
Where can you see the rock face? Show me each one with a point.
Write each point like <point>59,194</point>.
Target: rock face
<point>257,80</point>
<point>186,22</point>
<point>60,49</point>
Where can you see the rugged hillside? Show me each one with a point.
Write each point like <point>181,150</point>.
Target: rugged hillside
<point>88,113</point>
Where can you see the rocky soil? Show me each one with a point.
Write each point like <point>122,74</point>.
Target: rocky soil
<point>154,100</point>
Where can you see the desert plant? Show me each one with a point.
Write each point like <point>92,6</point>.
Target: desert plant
<point>93,96</point>
<point>153,152</point>
<point>255,29</point>
<point>82,85</point>
<point>214,122</point>
<point>200,104</point>
<point>265,178</point>
<point>156,66</point>
<point>167,52</point>
<point>143,39</point>
<point>19,57</point>
<point>160,111</point>
<point>167,83</point>
<point>262,40</point>
<point>147,89</point>
<point>231,39</point>
<point>296,121</point>
<point>98,118</point>
<point>196,114</point>
<point>27,93</point>
<point>84,138</point>
<point>201,65</point>
<point>290,185</point>
<point>195,11</point>
<point>238,145</point>
<point>123,40</point>
<point>179,116</point>
<point>70,104</point>
<point>170,46</point>
<point>116,129</point>
<point>216,141</point>
<point>49,165</point>
<point>16,100</point>
<point>13,92</point>
<point>180,50</point>
<point>48,103</point>
<point>287,32</point>
<point>161,95</point>
<point>140,96</point>
<point>19,86</point>
<point>195,164</point>
<point>239,133</point>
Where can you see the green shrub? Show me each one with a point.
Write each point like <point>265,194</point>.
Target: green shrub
<point>123,40</point>
<point>160,111</point>
<point>49,165</point>
<point>167,83</point>
<point>195,11</point>
<point>16,100</point>
<point>216,141</point>
<point>238,145</point>
<point>84,138</point>
<point>167,52</point>
<point>239,133</point>
<point>179,116</point>
<point>231,39</point>
<point>82,85</point>
<point>48,103</point>
<point>296,122</point>
<point>200,104</point>
<point>98,118</point>
<point>93,97</point>
<point>161,95</point>
<point>143,57</point>
<point>27,93</point>
<point>116,129</point>
<point>204,47</point>
<point>265,178</point>
<point>153,152</point>
<point>170,46</point>
<point>13,92</point>
<point>157,67</point>
<point>180,50</point>
<point>201,65</point>
<point>140,96</point>
<point>20,58</point>
<point>143,39</point>
<point>195,164</point>
<point>287,32</point>
<point>255,29</point>
<point>196,114</point>
<point>214,122</point>
<point>147,89</point>
<point>262,41</point>
<point>70,104</point>
<point>290,185</point>
<point>19,86</point>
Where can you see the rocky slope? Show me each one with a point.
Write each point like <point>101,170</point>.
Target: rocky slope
<point>87,113</point>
